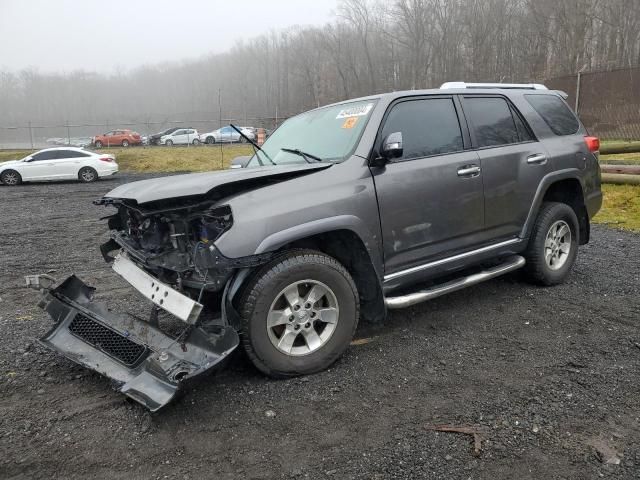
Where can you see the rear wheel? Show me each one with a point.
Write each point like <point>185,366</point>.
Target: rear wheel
<point>125,143</point>
<point>11,178</point>
<point>87,175</point>
<point>299,314</point>
<point>553,246</point>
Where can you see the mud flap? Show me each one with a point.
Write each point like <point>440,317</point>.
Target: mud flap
<point>145,363</point>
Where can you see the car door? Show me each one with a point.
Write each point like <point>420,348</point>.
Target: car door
<point>40,166</point>
<point>513,162</point>
<point>227,134</point>
<point>68,163</point>
<point>431,199</point>
<point>179,136</point>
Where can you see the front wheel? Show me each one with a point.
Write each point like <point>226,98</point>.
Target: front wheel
<point>211,140</point>
<point>125,143</point>
<point>11,178</point>
<point>98,144</point>
<point>553,246</point>
<point>169,143</point>
<point>196,141</point>
<point>299,314</point>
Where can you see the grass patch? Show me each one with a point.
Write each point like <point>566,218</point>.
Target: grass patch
<point>164,159</point>
<point>621,159</point>
<point>621,207</point>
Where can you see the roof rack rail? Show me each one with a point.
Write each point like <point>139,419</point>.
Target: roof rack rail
<point>518,86</point>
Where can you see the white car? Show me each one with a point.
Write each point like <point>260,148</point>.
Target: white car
<point>183,136</point>
<point>62,163</point>
<point>228,135</point>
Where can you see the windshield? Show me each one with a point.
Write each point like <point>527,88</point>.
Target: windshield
<point>329,133</point>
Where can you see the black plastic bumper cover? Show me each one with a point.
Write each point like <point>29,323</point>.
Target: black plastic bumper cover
<point>145,363</point>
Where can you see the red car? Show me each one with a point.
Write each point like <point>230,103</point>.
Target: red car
<point>117,138</point>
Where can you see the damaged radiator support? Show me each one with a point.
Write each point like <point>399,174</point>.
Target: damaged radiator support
<point>145,363</point>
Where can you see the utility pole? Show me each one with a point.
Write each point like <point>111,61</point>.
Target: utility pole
<point>578,90</point>
<point>30,135</point>
<point>220,126</point>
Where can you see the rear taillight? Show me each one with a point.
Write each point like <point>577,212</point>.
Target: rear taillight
<point>593,144</point>
<point>107,159</point>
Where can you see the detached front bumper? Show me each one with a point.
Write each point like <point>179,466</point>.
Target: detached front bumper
<point>145,363</point>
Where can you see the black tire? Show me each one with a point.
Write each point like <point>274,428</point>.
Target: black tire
<point>211,140</point>
<point>538,268</point>
<point>87,175</point>
<point>125,143</point>
<point>11,178</point>
<point>169,143</point>
<point>196,141</point>
<point>264,288</point>
<point>98,144</point>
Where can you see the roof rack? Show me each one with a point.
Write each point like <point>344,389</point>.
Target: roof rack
<point>518,86</point>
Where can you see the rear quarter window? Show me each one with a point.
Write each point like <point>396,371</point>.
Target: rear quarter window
<point>555,113</point>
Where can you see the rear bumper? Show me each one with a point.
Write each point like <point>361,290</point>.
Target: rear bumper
<point>593,202</point>
<point>145,363</point>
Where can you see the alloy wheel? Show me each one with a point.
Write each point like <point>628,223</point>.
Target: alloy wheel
<point>302,318</point>
<point>557,245</point>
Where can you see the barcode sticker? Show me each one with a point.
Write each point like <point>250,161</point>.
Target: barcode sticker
<point>359,111</point>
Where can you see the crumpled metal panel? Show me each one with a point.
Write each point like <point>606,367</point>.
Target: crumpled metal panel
<point>167,363</point>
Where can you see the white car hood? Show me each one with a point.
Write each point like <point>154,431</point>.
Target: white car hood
<point>10,162</point>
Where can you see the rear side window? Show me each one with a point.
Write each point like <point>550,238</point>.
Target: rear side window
<point>555,112</point>
<point>429,127</point>
<point>492,121</point>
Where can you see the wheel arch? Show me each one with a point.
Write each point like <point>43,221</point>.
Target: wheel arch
<point>564,187</point>
<point>346,246</point>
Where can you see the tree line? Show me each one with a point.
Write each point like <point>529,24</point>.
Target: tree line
<point>371,46</point>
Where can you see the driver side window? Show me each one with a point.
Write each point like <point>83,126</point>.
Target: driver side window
<point>43,156</point>
<point>429,127</point>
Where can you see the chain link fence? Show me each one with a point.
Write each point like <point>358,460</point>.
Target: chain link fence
<point>608,102</point>
<point>33,135</point>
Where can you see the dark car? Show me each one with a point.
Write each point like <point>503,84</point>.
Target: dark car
<point>345,212</point>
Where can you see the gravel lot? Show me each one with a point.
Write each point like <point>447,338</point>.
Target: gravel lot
<point>550,376</point>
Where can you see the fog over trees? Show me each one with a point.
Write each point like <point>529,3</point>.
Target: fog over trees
<point>371,46</point>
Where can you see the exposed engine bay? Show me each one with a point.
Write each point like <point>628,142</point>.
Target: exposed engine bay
<point>177,244</point>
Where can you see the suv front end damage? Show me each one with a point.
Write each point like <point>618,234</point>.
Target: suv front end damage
<point>169,256</point>
<point>145,363</point>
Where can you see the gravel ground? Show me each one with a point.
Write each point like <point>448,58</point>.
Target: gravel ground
<point>550,377</point>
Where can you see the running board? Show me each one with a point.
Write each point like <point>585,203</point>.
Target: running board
<point>510,264</point>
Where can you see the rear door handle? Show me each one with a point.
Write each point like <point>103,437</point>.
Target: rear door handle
<point>469,171</point>
<point>537,159</point>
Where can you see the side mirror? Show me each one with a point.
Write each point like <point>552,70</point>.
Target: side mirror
<point>240,162</point>
<point>392,146</point>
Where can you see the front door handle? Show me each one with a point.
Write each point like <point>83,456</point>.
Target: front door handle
<point>537,159</point>
<point>469,171</point>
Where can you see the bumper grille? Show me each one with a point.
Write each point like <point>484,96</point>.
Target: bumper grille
<point>108,341</point>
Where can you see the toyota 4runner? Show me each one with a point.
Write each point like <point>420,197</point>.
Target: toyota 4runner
<point>345,212</point>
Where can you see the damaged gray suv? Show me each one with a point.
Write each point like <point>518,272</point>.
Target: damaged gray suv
<point>345,212</point>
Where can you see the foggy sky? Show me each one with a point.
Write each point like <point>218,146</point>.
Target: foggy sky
<point>114,35</point>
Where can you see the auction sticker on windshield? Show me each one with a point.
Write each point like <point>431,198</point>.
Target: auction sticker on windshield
<point>350,122</point>
<point>359,111</point>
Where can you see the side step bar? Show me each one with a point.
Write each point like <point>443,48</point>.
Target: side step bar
<point>510,264</point>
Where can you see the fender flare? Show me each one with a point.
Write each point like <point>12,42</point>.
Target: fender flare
<point>325,225</point>
<point>543,186</point>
